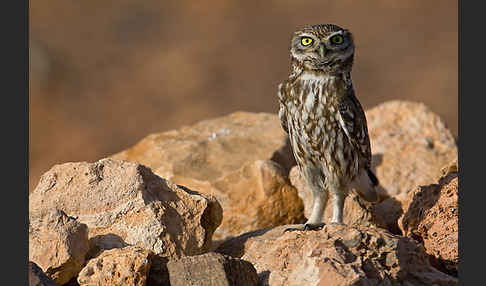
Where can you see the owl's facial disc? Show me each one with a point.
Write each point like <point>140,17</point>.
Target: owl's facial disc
<point>331,51</point>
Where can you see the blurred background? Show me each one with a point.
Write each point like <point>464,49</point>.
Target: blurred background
<point>104,74</point>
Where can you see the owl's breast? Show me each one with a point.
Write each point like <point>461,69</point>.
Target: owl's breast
<point>313,122</point>
<point>313,111</point>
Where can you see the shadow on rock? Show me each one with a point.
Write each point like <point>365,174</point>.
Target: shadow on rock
<point>235,246</point>
<point>99,243</point>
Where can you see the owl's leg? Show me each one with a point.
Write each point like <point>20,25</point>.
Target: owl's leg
<point>338,206</point>
<point>320,202</point>
<point>320,195</point>
<point>315,220</point>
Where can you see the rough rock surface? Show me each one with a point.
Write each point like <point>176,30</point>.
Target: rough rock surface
<point>339,255</point>
<point>212,269</point>
<point>390,210</point>
<point>119,266</point>
<point>431,216</point>
<point>410,144</point>
<point>124,203</point>
<point>58,244</point>
<point>158,274</point>
<point>242,159</point>
<point>37,277</point>
<point>356,211</point>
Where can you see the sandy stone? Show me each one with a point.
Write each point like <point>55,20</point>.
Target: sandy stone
<point>58,244</point>
<point>243,159</point>
<point>124,203</point>
<point>339,255</point>
<point>431,216</point>
<point>390,210</point>
<point>237,246</point>
<point>37,277</point>
<point>119,266</point>
<point>410,145</point>
<point>212,269</point>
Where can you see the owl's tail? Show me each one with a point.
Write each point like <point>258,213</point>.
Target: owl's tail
<point>365,184</point>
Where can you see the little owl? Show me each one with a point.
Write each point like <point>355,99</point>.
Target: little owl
<point>325,121</point>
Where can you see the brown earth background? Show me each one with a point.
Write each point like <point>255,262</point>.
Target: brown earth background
<point>104,74</point>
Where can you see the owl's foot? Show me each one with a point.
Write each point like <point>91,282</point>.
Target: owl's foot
<point>306,227</point>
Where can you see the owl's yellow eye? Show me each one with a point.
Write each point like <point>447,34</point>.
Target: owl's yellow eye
<point>306,41</point>
<point>337,39</point>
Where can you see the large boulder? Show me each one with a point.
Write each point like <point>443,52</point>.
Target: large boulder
<point>410,144</point>
<point>212,269</point>
<point>58,244</point>
<point>243,159</point>
<point>119,266</point>
<point>124,203</point>
<point>431,216</point>
<point>336,255</point>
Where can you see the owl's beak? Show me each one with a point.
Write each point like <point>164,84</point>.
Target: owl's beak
<point>322,50</point>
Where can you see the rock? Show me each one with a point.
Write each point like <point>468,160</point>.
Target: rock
<point>37,277</point>
<point>212,269</point>
<point>124,203</point>
<point>339,255</point>
<point>356,210</point>
<point>269,199</point>
<point>158,274</point>
<point>431,216</point>
<point>58,243</point>
<point>243,159</point>
<point>390,210</point>
<point>120,266</point>
<point>452,167</point>
<point>237,246</point>
<point>410,144</point>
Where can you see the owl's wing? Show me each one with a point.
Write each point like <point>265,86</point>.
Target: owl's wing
<point>353,121</point>
<point>282,111</point>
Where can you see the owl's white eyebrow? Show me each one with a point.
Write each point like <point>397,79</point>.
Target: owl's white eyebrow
<point>336,33</point>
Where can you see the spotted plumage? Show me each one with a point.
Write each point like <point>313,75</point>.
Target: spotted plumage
<point>324,119</point>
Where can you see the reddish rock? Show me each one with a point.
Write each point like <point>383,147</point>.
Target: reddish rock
<point>243,159</point>
<point>410,144</point>
<point>431,216</point>
<point>337,255</point>
<point>58,243</point>
<point>124,203</point>
<point>212,269</point>
<point>390,210</point>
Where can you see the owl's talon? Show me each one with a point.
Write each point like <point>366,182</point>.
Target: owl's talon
<point>314,226</point>
<point>306,227</point>
<point>293,229</point>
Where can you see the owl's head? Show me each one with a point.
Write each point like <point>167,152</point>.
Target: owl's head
<point>328,48</point>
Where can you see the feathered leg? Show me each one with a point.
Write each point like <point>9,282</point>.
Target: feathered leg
<point>320,196</point>
<point>320,202</point>
<point>338,206</point>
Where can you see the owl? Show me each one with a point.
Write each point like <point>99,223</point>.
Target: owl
<point>325,121</point>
